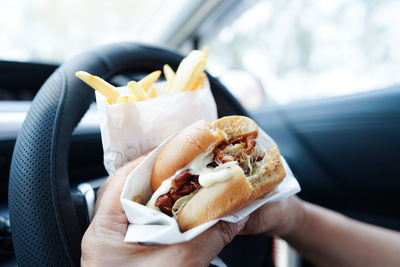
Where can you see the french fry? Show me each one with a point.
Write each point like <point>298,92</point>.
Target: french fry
<point>199,82</point>
<point>195,75</point>
<point>189,70</point>
<point>98,84</point>
<point>138,91</point>
<point>147,81</point>
<point>109,101</point>
<point>153,92</point>
<point>198,75</point>
<point>126,99</point>
<point>169,75</point>
<point>205,51</point>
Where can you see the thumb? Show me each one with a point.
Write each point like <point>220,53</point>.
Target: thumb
<point>212,241</point>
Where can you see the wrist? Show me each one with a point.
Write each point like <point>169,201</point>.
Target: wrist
<point>297,218</point>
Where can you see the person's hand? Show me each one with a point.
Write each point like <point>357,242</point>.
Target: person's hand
<point>279,218</point>
<point>103,242</point>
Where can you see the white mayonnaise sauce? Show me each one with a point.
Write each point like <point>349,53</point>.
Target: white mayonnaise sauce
<point>163,189</point>
<point>207,176</point>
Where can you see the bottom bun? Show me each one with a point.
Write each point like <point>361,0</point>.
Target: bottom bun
<point>222,198</point>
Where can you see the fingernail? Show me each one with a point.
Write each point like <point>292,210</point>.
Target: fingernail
<point>240,224</point>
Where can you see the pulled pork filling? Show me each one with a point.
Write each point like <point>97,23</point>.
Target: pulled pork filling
<point>183,184</point>
<point>242,149</point>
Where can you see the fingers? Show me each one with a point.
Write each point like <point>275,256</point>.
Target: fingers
<point>265,219</point>
<point>274,219</point>
<point>211,242</point>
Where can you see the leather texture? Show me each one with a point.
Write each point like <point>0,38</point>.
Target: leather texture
<point>44,222</point>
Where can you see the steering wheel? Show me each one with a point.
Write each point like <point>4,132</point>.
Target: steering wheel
<point>47,224</point>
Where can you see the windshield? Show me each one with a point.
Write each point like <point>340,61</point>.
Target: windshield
<point>52,31</point>
<point>301,49</point>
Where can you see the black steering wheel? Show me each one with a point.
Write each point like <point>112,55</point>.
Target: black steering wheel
<point>46,224</point>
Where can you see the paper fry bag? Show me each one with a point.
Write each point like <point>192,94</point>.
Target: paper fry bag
<point>131,129</point>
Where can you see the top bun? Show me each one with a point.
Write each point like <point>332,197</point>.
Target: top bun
<point>196,139</point>
<point>182,149</point>
<point>234,126</point>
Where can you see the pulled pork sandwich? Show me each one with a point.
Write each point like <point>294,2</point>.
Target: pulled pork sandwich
<point>212,169</point>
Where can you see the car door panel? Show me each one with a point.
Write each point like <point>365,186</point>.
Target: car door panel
<point>344,151</point>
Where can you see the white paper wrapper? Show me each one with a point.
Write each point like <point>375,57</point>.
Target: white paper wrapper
<point>131,129</point>
<point>153,227</point>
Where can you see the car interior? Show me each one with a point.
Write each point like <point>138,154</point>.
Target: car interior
<point>338,133</point>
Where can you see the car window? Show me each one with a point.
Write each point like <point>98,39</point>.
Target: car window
<point>52,31</point>
<point>309,49</point>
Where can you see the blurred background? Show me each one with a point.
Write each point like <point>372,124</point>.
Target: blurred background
<point>284,51</point>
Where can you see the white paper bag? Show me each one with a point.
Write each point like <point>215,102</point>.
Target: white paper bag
<point>131,129</point>
<point>153,227</point>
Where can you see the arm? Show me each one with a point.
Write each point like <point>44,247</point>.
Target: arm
<point>327,238</point>
<point>103,242</point>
